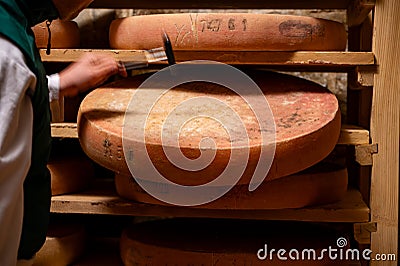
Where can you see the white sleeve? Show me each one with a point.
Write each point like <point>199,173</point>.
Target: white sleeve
<point>16,124</point>
<point>53,82</point>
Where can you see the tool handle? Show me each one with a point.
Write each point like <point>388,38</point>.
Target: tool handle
<point>135,65</point>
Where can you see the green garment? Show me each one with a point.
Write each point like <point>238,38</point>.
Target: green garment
<point>16,19</point>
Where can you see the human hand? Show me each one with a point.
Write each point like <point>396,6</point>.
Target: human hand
<point>91,70</point>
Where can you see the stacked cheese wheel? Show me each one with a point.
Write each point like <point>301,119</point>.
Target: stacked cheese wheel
<point>306,116</point>
<point>64,34</point>
<point>70,174</point>
<point>321,184</point>
<point>71,170</point>
<point>65,243</point>
<point>228,31</point>
<point>228,242</point>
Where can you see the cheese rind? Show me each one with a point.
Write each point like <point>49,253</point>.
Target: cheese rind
<point>227,242</point>
<point>311,187</point>
<point>228,31</point>
<point>64,34</point>
<point>64,244</point>
<point>70,174</point>
<point>306,117</point>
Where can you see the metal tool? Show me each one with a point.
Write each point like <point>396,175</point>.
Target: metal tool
<point>154,55</point>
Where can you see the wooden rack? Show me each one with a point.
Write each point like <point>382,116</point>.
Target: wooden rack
<point>374,109</point>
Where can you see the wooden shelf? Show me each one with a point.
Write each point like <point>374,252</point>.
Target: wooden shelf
<point>64,130</point>
<point>349,135</point>
<point>353,135</point>
<point>341,61</point>
<point>382,187</point>
<point>102,199</point>
<point>222,4</point>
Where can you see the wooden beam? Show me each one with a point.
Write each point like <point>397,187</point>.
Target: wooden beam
<point>102,199</point>
<point>57,110</point>
<point>349,135</point>
<point>221,4</point>
<point>353,135</point>
<point>364,153</point>
<point>362,232</point>
<point>332,59</point>
<point>64,130</point>
<point>358,10</point>
<point>362,77</point>
<point>72,55</point>
<point>385,130</point>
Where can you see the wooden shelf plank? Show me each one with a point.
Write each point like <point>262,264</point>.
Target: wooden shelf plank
<point>64,130</point>
<point>349,135</point>
<point>226,4</point>
<point>353,135</point>
<point>261,58</point>
<point>71,55</point>
<point>102,199</point>
<point>302,58</point>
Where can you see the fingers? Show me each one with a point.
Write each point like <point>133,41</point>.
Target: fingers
<point>122,70</point>
<point>89,71</point>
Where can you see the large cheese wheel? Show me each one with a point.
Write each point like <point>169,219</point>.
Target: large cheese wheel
<point>322,184</point>
<point>226,242</point>
<point>65,243</point>
<point>306,115</point>
<point>102,251</point>
<point>64,34</point>
<point>228,31</point>
<point>70,174</point>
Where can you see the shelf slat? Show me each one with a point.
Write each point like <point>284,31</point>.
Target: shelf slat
<point>303,58</point>
<point>260,58</point>
<point>353,135</point>
<point>64,130</point>
<point>102,199</point>
<point>222,4</point>
<point>349,135</point>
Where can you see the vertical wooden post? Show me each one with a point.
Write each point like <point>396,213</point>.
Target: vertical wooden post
<point>57,110</point>
<point>359,101</point>
<point>385,128</point>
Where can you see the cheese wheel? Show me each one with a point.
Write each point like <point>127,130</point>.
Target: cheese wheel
<point>64,244</point>
<point>101,251</point>
<point>228,31</point>
<point>64,34</point>
<point>70,174</point>
<point>306,116</point>
<point>225,242</point>
<point>322,184</point>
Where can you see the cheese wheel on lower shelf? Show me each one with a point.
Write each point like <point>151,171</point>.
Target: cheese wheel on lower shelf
<point>322,184</point>
<point>64,34</point>
<point>65,243</point>
<point>228,242</point>
<point>306,116</point>
<point>228,31</point>
<point>101,252</point>
<point>70,174</point>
